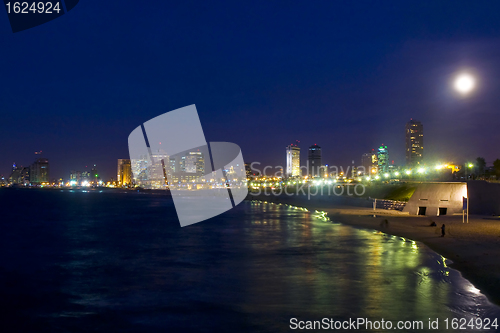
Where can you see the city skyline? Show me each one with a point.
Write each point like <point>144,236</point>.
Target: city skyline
<point>358,97</point>
<point>377,161</point>
<point>348,157</point>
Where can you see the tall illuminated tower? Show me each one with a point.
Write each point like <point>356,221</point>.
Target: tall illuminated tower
<point>39,171</point>
<point>383,159</point>
<point>414,143</point>
<point>124,175</point>
<point>293,161</point>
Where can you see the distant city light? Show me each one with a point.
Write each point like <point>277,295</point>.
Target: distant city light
<point>421,170</point>
<point>386,175</point>
<point>396,173</point>
<point>408,172</point>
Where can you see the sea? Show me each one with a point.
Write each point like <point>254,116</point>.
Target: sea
<point>100,261</point>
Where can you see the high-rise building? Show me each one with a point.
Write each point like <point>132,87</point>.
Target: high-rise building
<point>140,168</point>
<point>354,171</point>
<point>94,176</point>
<point>172,165</point>
<point>315,167</point>
<point>369,161</point>
<point>187,167</point>
<point>383,159</point>
<point>20,176</point>
<point>293,161</point>
<point>75,178</point>
<point>250,172</point>
<point>157,170</point>
<point>39,171</point>
<point>26,176</point>
<point>414,143</point>
<point>86,177</point>
<point>124,174</point>
<point>194,163</point>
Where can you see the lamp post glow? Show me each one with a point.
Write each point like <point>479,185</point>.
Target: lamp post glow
<point>468,166</point>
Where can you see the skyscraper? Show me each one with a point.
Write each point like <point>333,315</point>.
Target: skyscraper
<point>94,176</point>
<point>140,173</point>
<point>75,178</point>
<point>369,161</point>
<point>187,167</point>
<point>194,163</point>
<point>20,176</point>
<point>315,167</point>
<point>383,159</point>
<point>124,174</point>
<point>39,171</point>
<point>414,143</point>
<point>293,161</point>
<point>157,175</point>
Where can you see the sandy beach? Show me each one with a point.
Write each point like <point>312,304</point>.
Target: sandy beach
<point>474,247</point>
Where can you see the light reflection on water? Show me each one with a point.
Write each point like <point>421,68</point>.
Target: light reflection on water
<point>105,262</point>
<point>338,271</point>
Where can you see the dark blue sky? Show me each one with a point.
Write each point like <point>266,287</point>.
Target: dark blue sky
<point>344,75</point>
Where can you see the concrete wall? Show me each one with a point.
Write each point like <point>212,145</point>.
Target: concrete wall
<point>484,198</point>
<point>432,196</point>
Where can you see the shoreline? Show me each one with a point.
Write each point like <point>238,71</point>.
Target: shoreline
<point>472,248</point>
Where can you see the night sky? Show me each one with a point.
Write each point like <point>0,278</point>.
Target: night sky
<point>345,75</point>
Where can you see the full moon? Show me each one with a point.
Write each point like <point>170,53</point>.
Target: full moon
<point>464,83</point>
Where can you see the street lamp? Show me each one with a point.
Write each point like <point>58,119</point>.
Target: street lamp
<point>468,166</point>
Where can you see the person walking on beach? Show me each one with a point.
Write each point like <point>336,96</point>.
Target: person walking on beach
<point>442,230</point>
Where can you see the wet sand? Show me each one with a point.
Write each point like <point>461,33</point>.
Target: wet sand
<point>474,248</point>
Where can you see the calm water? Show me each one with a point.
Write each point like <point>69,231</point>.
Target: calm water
<point>119,262</point>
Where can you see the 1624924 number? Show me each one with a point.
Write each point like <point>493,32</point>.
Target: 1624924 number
<point>472,324</point>
<point>32,7</point>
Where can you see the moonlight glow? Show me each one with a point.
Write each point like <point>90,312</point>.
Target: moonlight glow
<point>464,83</point>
